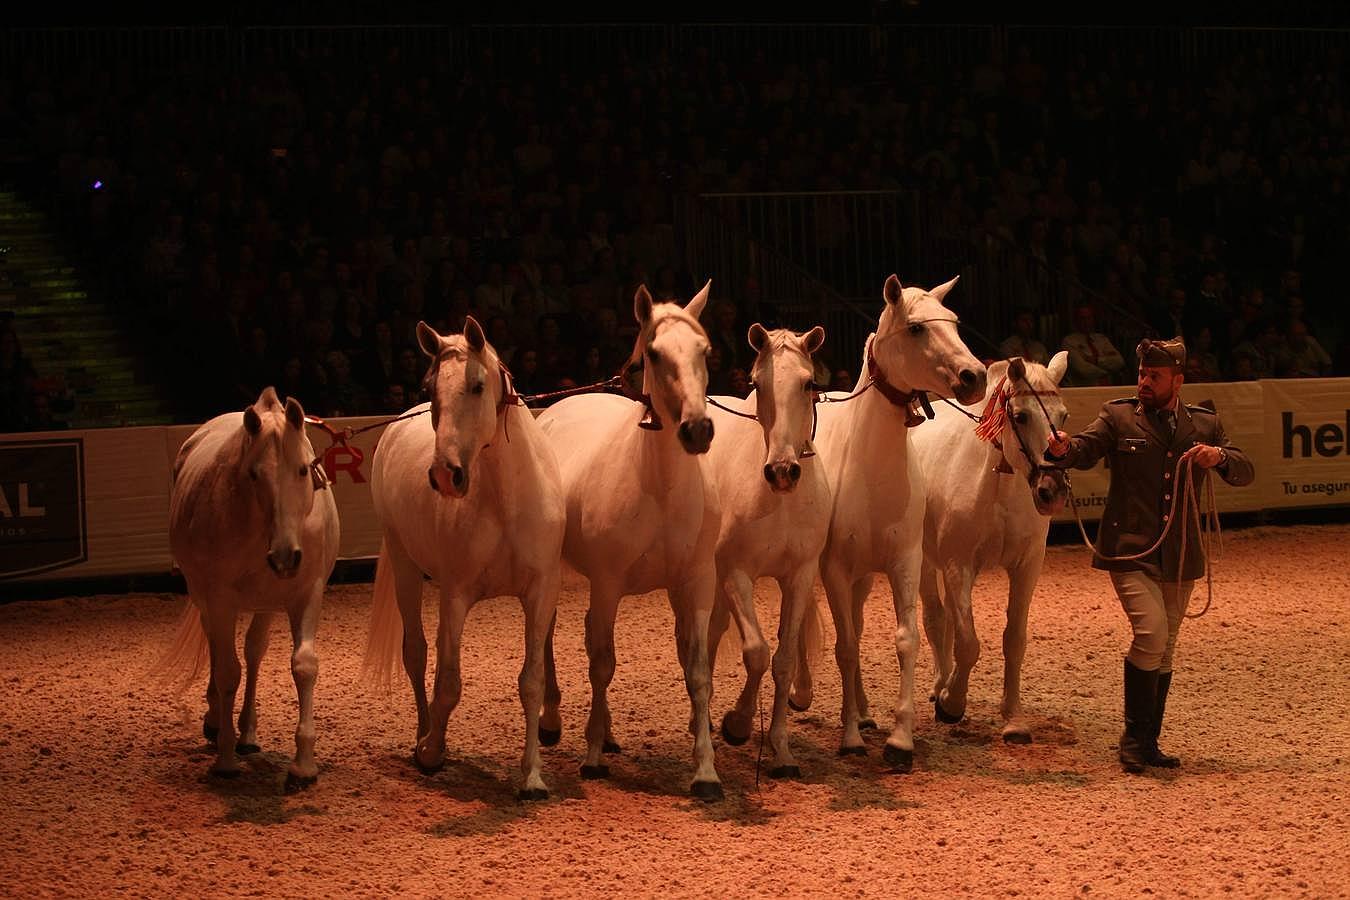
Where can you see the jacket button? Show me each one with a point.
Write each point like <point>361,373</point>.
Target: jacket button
<point>1169,455</point>
<point>1167,496</point>
<point>1164,518</point>
<point>1167,474</point>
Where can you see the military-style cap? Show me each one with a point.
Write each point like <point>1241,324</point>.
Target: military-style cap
<point>1162,353</point>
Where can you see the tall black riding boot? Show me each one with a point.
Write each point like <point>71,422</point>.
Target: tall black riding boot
<point>1141,690</point>
<point>1155,756</point>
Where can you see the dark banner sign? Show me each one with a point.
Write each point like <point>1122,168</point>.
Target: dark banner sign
<point>42,515</point>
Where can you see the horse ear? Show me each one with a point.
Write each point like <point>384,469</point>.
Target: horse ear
<point>295,414</point>
<point>1059,363</point>
<point>813,339</point>
<point>642,305</point>
<point>268,398</point>
<point>695,307</point>
<point>996,372</point>
<point>252,421</point>
<point>757,337</point>
<point>428,340</point>
<point>1017,369</point>
<point>891,290</point>
<point>942,290</point>
<point>473,333</point>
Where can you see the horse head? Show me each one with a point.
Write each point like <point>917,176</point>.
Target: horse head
<point>279,462</point>
<point>785,394</point>
<point>674,349</point>
<point>467,386</point>
<point>1022,395</point>
<point>917,347</point>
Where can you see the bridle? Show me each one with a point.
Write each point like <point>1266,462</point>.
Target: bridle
<point>905,400</point>
<point>998,411</point>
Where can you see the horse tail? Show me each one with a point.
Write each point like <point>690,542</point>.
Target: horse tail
<point>384,641</point>
<point>186,658</point>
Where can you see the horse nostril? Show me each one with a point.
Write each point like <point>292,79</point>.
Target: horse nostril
<point>968,378</point>
<point>431,477</point>
<point>457,476</point>
<point>794,472</point>
<point>295,559</point>
<point>685,432</point>
<point>768,474</point>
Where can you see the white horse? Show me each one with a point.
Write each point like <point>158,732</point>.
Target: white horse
<point>472,498</point>
<point>775,510</point>
<point>253,529</point>
<point>990,498</point>
<point>642,512</point>
<point>877,519</point>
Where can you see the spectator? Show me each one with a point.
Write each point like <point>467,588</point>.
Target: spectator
<point>1023,341</point>
<point>1093,359</point>
<point>1304,357</point>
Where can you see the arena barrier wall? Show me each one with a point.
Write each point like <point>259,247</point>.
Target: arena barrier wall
<point>83,504</point>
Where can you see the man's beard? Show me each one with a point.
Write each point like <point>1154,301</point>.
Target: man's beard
<point>1156,401</point>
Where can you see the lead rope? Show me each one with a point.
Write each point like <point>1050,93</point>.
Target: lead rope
<point>1191,509</point>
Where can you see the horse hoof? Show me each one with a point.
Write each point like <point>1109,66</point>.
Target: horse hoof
<point>590,773</point>
<point>731,737</point>
<point>210,732</point>
<point>707,791</point>
<point>424,769</point>
<point>785,772</point>
<point>610,747</point>
<point>245,749</point>
<point>852,751</point>
<point>227,774</point>
<point>549,737</point>
<point>943,716</point>
<point>296,783</point>
<point>530,795</point>
<point>898,758</point>
<point>868,724</point>
<point>792,705</point>
<point>1017,737</point>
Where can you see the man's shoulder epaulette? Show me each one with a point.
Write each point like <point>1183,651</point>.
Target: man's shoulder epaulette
<point>1129,400</point>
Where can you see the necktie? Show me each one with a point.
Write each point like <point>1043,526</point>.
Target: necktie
<point>1168,420</point>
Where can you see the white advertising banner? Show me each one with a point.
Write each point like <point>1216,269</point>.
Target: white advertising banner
<point>1307,456</point>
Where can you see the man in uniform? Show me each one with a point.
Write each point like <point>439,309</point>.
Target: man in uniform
<point>1144,438</point>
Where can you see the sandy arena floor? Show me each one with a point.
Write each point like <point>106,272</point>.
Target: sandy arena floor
<point>106,787</point>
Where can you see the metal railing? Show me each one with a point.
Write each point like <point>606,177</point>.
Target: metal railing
<point>601,45</point>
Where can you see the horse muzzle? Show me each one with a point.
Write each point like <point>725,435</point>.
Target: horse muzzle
<point>695,435</point>
<point>449,480</point>
<point>969,386</point>
<point>1049,491</point>
<point>783,476</point>
<point>285,562</point>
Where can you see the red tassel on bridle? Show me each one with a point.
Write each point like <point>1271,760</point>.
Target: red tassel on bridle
<point>995,414</point>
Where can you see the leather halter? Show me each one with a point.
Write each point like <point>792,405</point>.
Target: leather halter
<point>905,401</point>
<point>508,397</point>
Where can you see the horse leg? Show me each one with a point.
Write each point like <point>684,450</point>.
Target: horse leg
<point>255,645</point>
<point>550,720</point>
<point>225,676</point>
<point>210,721</point>
<point>950,705</point>
<point>739,722</point>
<point>1021,585</point>
<point>935,625</point>
<point>904,578</point>
<point>839,590</point>
<point>430,753</point>
<point>797,597</point>
<point>539,603</point>
<point>303,770</point>
<point>861,589</point>
<point>600,654</point>
<point>408,589</point>
<point>693,602</point>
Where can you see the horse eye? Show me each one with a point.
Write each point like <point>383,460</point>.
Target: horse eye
<point>916,329</point>
<point>253,474</point>
<point>653,355</point>
<point>304,470</point>
<point>478,388</point>
<point>1020,418</point>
